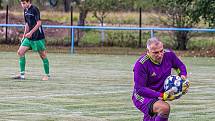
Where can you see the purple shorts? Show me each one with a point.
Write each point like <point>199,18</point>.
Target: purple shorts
<point>145,105</point>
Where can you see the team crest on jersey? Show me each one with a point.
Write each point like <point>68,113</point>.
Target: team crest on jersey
<point>153,74</point>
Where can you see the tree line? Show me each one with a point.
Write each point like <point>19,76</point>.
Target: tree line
<point>181,13</point>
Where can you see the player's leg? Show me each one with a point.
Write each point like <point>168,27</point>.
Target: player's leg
<point>45,60</point>
<point>162,109</point>
<point>145,105</point>
<point>21,52</point>
<point>39,46</point>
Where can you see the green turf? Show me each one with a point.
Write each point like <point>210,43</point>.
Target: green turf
<point>93,88</point>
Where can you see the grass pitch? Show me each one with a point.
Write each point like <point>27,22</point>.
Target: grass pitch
<point>93,88</point>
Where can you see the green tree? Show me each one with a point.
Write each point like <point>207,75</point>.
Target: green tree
<point>101,8</point>
<point>180,14</point>
<point>205,9</point>
<point>83,7</point>
<point>146,5</point>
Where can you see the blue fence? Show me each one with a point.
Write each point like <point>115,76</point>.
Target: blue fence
<point>112,28</point>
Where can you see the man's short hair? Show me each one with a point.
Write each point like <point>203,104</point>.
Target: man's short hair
<point>25,0</point>
<point>153,40</point>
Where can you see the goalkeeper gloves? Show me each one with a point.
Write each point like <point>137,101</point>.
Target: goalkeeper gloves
<point>185,85</point>
<point>169,95</point>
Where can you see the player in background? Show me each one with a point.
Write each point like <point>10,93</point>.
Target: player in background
<point>150,72</point>
<point>33,38</point>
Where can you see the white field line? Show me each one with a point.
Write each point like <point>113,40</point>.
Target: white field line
<point>59,95</point>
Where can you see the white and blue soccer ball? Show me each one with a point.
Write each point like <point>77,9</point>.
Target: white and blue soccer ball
<point>175,83</point>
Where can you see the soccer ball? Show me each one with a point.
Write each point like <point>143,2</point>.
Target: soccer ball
<point>175,83</point>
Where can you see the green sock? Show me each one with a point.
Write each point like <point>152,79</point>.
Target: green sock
<point>22,65</point>
<point>46,65</point>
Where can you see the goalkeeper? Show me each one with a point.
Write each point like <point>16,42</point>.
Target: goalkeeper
<point>33,38</point>
<point>150,72</point>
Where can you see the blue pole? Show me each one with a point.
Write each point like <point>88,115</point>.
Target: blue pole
<point>72,42</point>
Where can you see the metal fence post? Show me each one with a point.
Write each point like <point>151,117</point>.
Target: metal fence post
<point>72,41</point>
<point>6,37</point>
<point>140,25</point>
<point>152,33</point>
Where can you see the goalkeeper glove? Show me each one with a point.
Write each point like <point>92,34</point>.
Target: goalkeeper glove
<point>168,95</point>
<point>185,85</point>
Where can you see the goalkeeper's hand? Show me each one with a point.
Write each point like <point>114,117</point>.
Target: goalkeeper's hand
<point>185,85</point>
<point>169,95</point>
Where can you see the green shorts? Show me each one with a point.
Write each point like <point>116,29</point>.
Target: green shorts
<point>36,46</point>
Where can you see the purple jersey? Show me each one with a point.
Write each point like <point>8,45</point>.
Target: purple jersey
<point>149,77</point>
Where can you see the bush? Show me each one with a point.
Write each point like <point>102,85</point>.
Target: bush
<point>113,38</point>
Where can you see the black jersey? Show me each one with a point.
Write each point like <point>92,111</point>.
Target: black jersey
<point>32,15</point>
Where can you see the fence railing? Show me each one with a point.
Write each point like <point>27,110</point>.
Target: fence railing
<point>151,29</point>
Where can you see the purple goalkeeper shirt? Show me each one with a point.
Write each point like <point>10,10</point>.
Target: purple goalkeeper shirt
<point>149,77</point>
